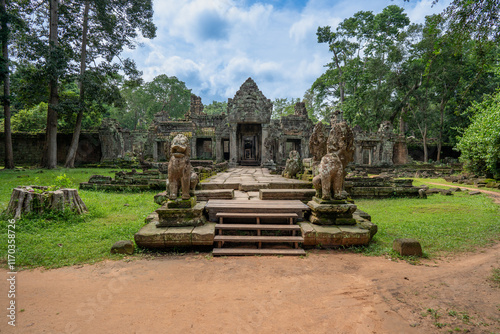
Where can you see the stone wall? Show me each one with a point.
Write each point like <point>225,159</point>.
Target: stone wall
<point>28,147</point>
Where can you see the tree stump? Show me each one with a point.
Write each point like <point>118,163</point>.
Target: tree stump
<point>38,199</point>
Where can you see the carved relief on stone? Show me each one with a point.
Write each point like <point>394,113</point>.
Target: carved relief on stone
<point>317,142</point>
<point>293,165</point>
<point>180,177</point>
<point>270,145</point>
<point>329,183</point>
<point>249,104</point>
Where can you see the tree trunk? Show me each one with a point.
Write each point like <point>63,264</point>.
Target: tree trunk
<point>9,154</point>
<point>51,139</point>
<point>441,124</point>
<point>402,123</point>
<point>424,143</point>
<point>70,159</point>
<point>25,200</point>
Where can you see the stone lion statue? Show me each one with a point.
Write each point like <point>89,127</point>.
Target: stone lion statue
<point>293,165</point>
<point>329,183</point>
<point>180,176</point>
<point>317,142</point>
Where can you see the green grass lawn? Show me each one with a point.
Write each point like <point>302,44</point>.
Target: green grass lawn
<point>443,224</point>
<point>67,239</point>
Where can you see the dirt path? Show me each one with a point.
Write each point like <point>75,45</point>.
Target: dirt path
<point>493,194</point>
<point>326,292</point>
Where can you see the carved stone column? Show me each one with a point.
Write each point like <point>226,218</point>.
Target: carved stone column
<point>155,151</point>
<point>233,146</point>
<point>264,153</point>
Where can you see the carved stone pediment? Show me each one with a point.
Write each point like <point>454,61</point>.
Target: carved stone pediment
<point>249,105</point>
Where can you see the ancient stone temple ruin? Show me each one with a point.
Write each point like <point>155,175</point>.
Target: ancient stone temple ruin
<point>246,135</point>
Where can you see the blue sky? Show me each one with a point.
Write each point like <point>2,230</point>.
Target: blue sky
<point>215,45</point>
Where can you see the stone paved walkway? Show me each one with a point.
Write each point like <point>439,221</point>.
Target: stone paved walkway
<point>246,181</point>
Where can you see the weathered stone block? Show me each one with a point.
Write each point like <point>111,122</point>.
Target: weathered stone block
<point>205,195</point>
<point>203,235</point>
<point>100,179</point>
<point>287,194</point>
<point>336,213</point>
<point>407,247</point>
<point>181,216</point>
<point>253,186</point>
<point>153,216</point>
<point>150,236</point>
<point>328,235</point>
<point>354,235</point>
<point>178,236</point>
<point>180,203</point>
<point>123,247</point>
<point>308,233</point>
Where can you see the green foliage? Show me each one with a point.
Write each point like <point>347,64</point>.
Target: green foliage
<point>480,143</point>
<point>162,94</point>
<point>495,276</point>
<point>30,120</point>
<point>63,181</point>
<point>216,108</point>
<point>367,49</point>
<point>283,107</point>
<point>168,94</point>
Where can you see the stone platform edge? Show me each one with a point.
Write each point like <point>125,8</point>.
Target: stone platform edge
<point>150,236</point>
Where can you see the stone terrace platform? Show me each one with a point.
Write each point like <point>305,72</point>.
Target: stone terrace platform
<point>246,185</point>
<point>251,179</point>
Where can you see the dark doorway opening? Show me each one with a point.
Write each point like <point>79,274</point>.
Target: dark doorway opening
<point>249,146</point>
<point>292,145</point>
<point>225,149</point>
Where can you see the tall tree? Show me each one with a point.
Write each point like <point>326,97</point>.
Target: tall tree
<point>366,50</point>
<point>168,94</point>
<point>50,160</point>
<point>5,18</point>
<point>70,158</point>
<point>113,26</point>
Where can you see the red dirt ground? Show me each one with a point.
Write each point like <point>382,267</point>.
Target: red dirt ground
<point>326,292</point>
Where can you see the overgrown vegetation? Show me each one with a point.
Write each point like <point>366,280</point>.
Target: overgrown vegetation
<point>480,143</point>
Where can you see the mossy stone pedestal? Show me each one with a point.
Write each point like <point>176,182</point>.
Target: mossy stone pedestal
<point>179,212</point>
<point>331,212</point>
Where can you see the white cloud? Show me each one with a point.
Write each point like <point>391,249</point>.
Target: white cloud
<point>214,46</point>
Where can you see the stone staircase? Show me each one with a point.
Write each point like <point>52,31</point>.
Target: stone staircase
<point>257,233</point>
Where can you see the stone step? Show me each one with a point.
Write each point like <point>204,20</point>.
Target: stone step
<point>252,238</point>
<point>205,195</point>
<point>255,215</point>
<point>255,206</point>
<point>287,194</point>
<point>246,251</point>
<point>250,227</point>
